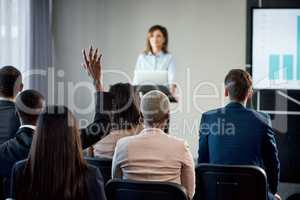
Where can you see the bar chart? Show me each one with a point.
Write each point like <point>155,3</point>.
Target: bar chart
<point>276,49</point>
<point>288,63</point>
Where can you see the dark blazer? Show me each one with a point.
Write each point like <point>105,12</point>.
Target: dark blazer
<point>101,125</point>
<point>14,150</point>
<point>9,121</point>
<point>94,181</point>
<point>240,136</point>
<point>18,148</point>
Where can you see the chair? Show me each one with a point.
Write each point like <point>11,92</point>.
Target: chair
<point>230,182</point>
<point>294,197</point>
<point>103,164</point>
<point>117,189</point>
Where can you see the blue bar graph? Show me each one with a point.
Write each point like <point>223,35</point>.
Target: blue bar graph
<point>288,67</point>
<point>288,62</point>
<point>274,61</point>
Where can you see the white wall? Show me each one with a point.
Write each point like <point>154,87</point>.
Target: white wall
<point>207,38</point>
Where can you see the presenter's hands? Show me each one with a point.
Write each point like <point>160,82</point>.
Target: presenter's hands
<point>277,197</point>
<point>92,64</point>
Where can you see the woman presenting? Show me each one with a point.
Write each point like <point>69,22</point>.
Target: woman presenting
<point>156,56</point>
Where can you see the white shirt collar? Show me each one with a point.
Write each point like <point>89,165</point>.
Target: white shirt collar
<point>152,54</point>
<point>6,99</point>
<point>28,126</point>
<point>153,130</point>
<point>243,104</point>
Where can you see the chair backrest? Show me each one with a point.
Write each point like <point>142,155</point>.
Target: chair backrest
<point>230,182</point>
<point>103,164</point>
<point>117,189</point>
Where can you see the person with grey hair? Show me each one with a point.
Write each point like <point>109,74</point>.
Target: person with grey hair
<point>154,155</point>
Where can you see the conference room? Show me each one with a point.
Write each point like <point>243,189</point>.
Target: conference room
<point>150,99</point>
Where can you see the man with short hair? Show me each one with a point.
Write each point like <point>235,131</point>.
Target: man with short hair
<point>153,155</point>
<point>10,85</point>
<point>236,135</point>
<point>29,105</point>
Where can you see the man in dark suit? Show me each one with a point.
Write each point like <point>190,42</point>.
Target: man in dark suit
<point>18,147</point>
<point>236,135</point>
<point>29,105</point>
<point>10,86</point>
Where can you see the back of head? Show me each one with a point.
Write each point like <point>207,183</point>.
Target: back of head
<point>10,81</point>
<point>127,100</point>
<point>55,167</point>
<point>29,105</point>
<point>238,84</point>
<point>155,107</point>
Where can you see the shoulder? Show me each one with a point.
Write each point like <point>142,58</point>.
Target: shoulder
<point>18,143</point>
<point>128,138</point>
<point>259,116</point>
<point>25,135</point>
<point>25,130</point>
<point>123,142</point>
<point>168,56</point>
<point>7,104</point>
<point>179,145</point>
<point>213,112</point>
<point>177,141</point>
<point>142,55</point>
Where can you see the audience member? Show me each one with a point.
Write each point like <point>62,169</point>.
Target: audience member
<point>126,119</point>
<point>29,105</point>
<point>236,135</point>
<point>55,168</point>
<point>101,125</point>
<point>153,155</point>
<point>10,86</point>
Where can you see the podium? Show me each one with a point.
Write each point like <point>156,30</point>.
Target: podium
<point>147,88</point>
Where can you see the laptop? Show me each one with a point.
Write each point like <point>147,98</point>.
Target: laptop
<point>148,77</point>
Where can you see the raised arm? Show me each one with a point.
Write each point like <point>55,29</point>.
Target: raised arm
<point>101,125</point>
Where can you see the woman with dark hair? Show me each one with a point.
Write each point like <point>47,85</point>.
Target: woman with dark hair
<point>126,118</point>
<point>156,56</point>
<point>55,168</point>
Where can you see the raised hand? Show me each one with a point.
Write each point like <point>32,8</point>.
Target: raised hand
<point>92,64</point>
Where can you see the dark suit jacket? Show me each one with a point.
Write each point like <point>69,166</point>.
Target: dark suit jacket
<point>18,148</point>
<point>14,150</point>
<point>240,136</point>
<point>101,125</point>
<point>9,121</point>
<point>94,181</point>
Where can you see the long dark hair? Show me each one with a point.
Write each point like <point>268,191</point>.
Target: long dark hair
<point>55,168</point>
<point>164,31</point>
<point>127,106</point>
